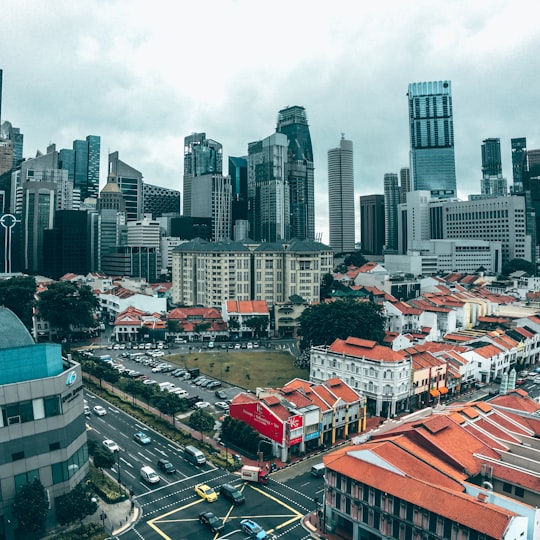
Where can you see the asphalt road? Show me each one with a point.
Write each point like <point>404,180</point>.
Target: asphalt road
<point>171,508</point>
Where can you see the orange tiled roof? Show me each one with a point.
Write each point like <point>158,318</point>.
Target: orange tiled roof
<point>365,348</point>
<point>437,497</point>
<point>247,307</point>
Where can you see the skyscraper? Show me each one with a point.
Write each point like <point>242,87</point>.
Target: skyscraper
<point>292,121</point>
<point>519,163</point>
<point>239,198</point>
<point>392,197</point>
<point>341,197</point>
<point>372,224</point>
<point>268,191</point>
<point>202,156</point>
<point>82,164</point>
<point>404,182</point>
<point>130,182</point>
<point>431,131</point>
<point>493,182</point>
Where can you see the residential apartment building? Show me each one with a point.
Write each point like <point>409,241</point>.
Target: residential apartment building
<point>210,273</point>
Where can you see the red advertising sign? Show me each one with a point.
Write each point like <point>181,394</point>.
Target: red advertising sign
<point>295,422</point>
<point>259,418</point>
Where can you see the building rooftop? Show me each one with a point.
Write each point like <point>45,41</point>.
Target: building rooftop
<point>13,333</point>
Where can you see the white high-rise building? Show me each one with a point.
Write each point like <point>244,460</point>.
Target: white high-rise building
<point>341,197</point>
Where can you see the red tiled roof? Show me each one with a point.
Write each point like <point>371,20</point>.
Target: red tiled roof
<point>365,348</point>
<point>436,496</point>
<point>247,307</point>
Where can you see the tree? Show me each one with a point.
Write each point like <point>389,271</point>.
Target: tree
<point>239,433</point>
<point>75,505</point>
<point>169,404</point>
<point>355,259</point>
<point>102,458</point>
<point>202,421</point>
<point>66,306</point>
<point>199,328</point>
<point>322,324</point>
<point>17,294</point>
<point>257,324</point>
<point>516,265</point>
<point>327,284</point>
<point>31,507</point>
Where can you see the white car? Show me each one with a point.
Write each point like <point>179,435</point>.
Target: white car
<point>201,405</point>
<point>110,445</point>
<point>222,405</point>
<point>100,411</point>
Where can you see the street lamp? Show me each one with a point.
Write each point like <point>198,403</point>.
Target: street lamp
<point>119,481</point>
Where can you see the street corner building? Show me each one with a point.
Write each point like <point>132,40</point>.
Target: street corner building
<point>42,426</point>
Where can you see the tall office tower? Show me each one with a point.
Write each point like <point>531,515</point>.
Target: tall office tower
<point>239,202</point>
<point>372,224</point>
<point>66,244</point>
<point>202,156</point>
<point>158,200</point>
<point>211,198</point>
<point>37,215</point>
<point>404,182</point>
<point>519,163</point>
<point>392,197</point>
<point>533,159</point>
<point>82,164</point>
<point>493,182</point>
<point>431,131</point>
<point>292,121</point>
<point>268,189</point>
<point>130,182</point>
<point>341,197</point>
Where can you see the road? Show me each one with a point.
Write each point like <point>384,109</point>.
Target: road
<point>171,508</point>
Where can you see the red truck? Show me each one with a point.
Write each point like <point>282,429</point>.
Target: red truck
<point>252,473</point>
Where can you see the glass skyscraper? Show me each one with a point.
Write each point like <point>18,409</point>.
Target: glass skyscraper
<point>431,131</point>
<point>493,182</point>
<point>202,156</point>
<point>292,121</point>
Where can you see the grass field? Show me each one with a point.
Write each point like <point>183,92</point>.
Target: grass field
<point>246,369</point>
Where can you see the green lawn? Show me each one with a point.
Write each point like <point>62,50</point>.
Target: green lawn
<point>247,369</point>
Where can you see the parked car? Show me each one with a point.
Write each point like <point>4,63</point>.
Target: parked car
<point>213,384</point>
<point>142,438</point>
<point>220,394</point>
<point>100,411</point>
<point>206,492</point>
<point>110,445</point>
<point>223,405</point>
<point>166,466</point>
<point>201,405</point>
<point>211,521</point>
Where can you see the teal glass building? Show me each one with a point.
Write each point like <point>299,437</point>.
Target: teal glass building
<point>431,128</point>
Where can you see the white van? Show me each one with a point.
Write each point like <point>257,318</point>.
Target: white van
<point>149,475</point>
<point>166,386</point>
<point>194,455</point>
<point>318,470</point>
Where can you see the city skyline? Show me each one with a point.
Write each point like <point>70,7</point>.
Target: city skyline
<point>124,84</point>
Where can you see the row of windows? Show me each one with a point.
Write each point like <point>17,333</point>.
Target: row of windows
<point>28,411</point>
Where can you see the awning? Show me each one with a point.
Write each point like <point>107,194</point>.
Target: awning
<point>443,390</point>
<point>434,392</point>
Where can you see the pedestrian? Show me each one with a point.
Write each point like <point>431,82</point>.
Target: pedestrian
<point>267,467</point>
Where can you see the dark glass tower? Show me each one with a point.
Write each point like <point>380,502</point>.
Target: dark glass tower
<point>292,121</point>
<point>202,156</point>
<point>372,224</point>
<point>431,131</point>
<point>238,174</point>
<point>519,163</point>
<point>493,182</point>
<point>82,164</point>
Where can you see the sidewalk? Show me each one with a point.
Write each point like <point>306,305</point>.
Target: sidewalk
<point>312,524</point>
<point>115,518</point>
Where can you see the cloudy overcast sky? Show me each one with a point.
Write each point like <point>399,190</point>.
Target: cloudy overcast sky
<point>143,75</point>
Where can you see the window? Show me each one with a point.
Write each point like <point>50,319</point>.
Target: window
<point>25,478</point>
<point>520,492</point>
<point>507,488</point>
